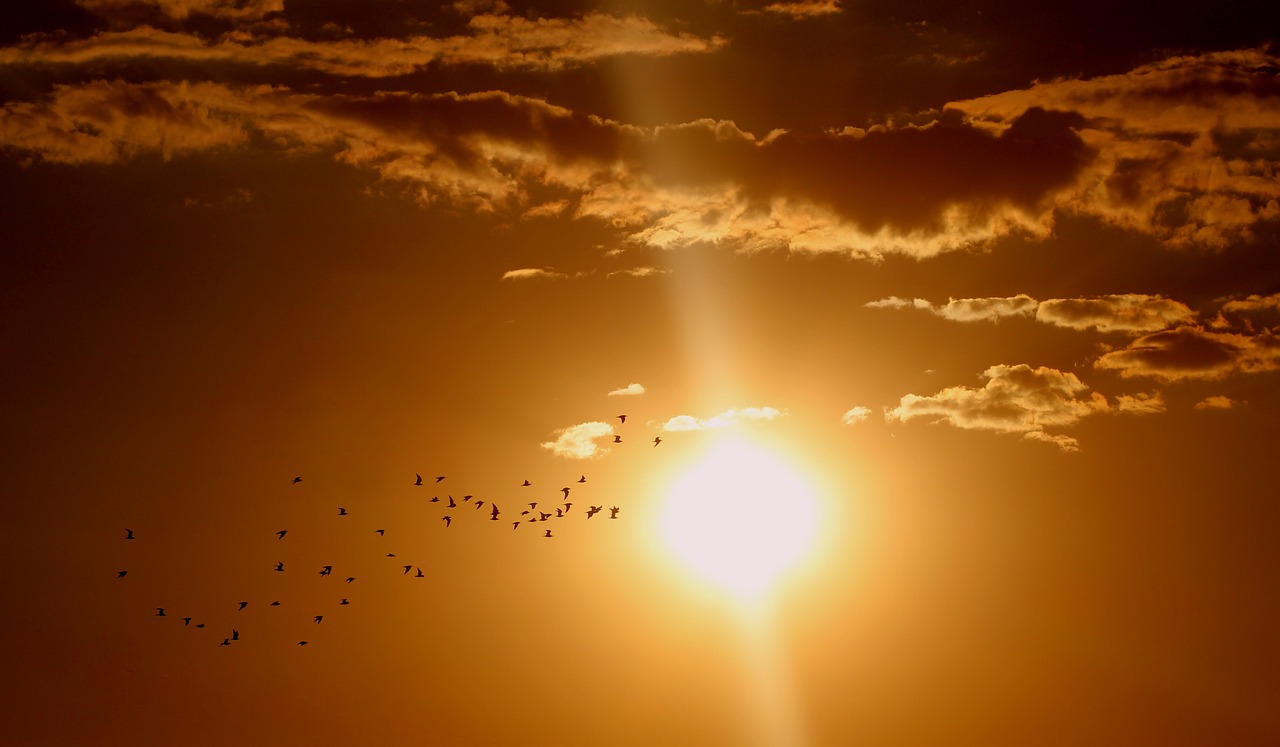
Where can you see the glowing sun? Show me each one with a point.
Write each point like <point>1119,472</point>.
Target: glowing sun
<point>739,518</point>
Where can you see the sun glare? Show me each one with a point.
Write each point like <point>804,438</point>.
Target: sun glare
<point>739,518</point>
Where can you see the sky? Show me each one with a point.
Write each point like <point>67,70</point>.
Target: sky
<point>967,315</point>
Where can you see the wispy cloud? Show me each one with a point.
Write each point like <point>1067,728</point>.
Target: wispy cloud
<point>965,309</point>
<point>127,10</point>
<point>1131,313</point>
<point>855,415</point>
<point>804,8</point>
<point>1217,402</point>
<point>726,419</point>
<point>579,441</point>
<point>530,273</point>
<point>630,390</point>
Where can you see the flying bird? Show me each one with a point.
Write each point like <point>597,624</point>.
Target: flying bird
<point>199,625</point>
<point>543,517</point>
<point>441,477</point>
<point>582,479</point>
<point>160,612</point>
<point>617,439</point>
<point>342,511</point>
<point>225,642</point>
<point>128,534</point>
<point>344,601</point>
<point>613,512</point>
<point>466,498</point>
<point>242,606</point>
<point>478,504</point>
<point>559,513</point>
<point>280,565</point>
<point>326,570</point>
<point>273,604</point>
<point>448,521</point>
<point>122,574</point>
<point>567,506</point>
<point>318,618</point>
<point>235,634</point>
<point>391,555</point>
<point>435,499</point>
<point>302,643</point>
<point>350,579</point>
<point>533,505</point>
<point>451,503</point>
<point>280,534</point>
<point>566,492</point>
<point>407,568</point>
<point>297,480</point>
<point>593,510</point>
<point>656,440</point>
<point>381,532</point>
<point>186,621</point>
<point>515,525</point>
<point>548,534</point>
<point>493,512</point>
<point>419,480</point>
<point>525,484</point>
<point>419,574</point>
<point>622,418</point>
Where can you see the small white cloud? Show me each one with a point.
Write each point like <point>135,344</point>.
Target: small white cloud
<point>529,273</point>
<point>726,419</point>
<point>855,415</point>
<point>579,441</point>
<point>630,390</point>
<point>1217,402</point>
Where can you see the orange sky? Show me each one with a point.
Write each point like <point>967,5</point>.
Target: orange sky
<point>999,282</point>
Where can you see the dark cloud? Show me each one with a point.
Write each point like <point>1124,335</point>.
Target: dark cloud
<point>1195,353</point>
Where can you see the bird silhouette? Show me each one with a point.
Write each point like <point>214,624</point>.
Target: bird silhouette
<point>466,498</point>
<point>225,642</point>
<point>235,634</point>
<point>582,479</point>
<point>350,579</point>
<point>543,516</point>
<point>381,532</point>
<point>593,510</point>
<point>613,512</point>
<point>344,601</point>
<point>451,503</point>
<point>435,499</point>
<point>478,504</point>
<point>566,492</point>
<point>160,612</point>
<point>122,574</point>
<point>441,477</point>
<point>622,418</point>
<point>273,604</point>
<point>280,565</point>
<point>302,643</point>
<point>280,534</point>
<point>199,625</point>
<point>617,439</point>
<point>407,568</point>
<point>419,480</point>
<point>419,574</point>
<point>342,511</point>
<point>128,534</point>
<point>656,440</point>
<point>186,621</point>
<point>391,555</point>
<point>559,513</point>
<point>548,534</point>
<point>318,618</point>
<point>326,570</point>
<point>533,505</point>
<point>567,506</point>
<point>493,512</point>
<point>525,484</point>
<point>242,606</point>
<point>297,480</point>
<point>448,521</point>
<point>515,525</point>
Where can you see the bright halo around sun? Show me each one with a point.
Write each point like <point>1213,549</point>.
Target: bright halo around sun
<point>739,518</point>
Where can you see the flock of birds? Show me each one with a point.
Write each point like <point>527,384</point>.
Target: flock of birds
<point>530,512</point>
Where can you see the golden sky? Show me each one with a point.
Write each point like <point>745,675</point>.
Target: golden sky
<point>947,337</point>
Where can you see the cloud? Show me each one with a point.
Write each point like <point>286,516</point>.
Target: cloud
<point>1185,147</point>
<point>1130,313</point>
<point>1015,399</point>
<point>855,415</point>
<point>630,390</point>
<point>804,8</point>
<point>529,273</point>
<point>726,419</point>
<point>1193,352</point>
<point>579,441</point>
<point>1140,404</point>
<point>499,41</point>
<point>639,272</point>
<point>965,309</point>
<point>127,10</point>
<point>1217,402</point>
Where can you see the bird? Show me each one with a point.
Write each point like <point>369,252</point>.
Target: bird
<point>613,512</point>
<point>466,498</point>
<point>342,511</point>
<point>186,621</point>
<point>565,491</point>
<point>318,618</point>
<point>302,643</point>
<point>280,534</point>
<point>622,418</point>
<point>548,534</point>
<point>567,506</point>
<point>617,439</point>
<point>451,503</point>
<point>381,532</point>
<point>121,574</point>
<point>350,579</point>
<point>543,516</point>
<point>493,512</point>
<point>441,477</point>
<point>593,510</point>
<point>199,625</point>
<point>326,570</point>
<point>478,504</point>
<point>656,440</point>
<point>242,606</point>
<point>225,642</point>
<point>128,534</point>
<point>525,484</point>
<point>419,480</point>
<point>515,525</point>
<point>297,480</point>
<point>524,513</point>
<point>448,520</point>
<point>559,513</point>
<point>273,604</point>
<point>160,612</point>
<point>344,601</point>
<point>419,574</point>
<point>280,565</point>
<point>582,479</point>
<point>391,555</point>
<point>407,568</point>
<point>435,499</point>
<point>235,634</point>
<point>533,505</point>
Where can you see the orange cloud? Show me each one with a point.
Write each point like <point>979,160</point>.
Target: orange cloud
<point>1216,402</point>
<point>1192,352</point>
<point>1129,312</point>
<point>726,419</point>
<point>966,309</point>
<point>181,9</point>
<point>579,441</point>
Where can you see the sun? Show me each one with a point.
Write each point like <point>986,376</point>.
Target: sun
<point>739,518</point>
